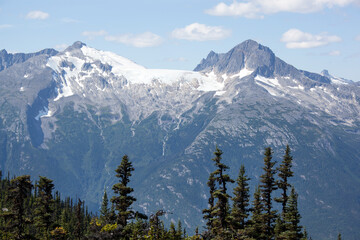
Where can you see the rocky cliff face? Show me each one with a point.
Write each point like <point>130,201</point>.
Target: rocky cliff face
<point>71,117</point>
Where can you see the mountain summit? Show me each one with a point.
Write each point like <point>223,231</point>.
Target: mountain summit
<point>72,115</point>
<point>249,55</point>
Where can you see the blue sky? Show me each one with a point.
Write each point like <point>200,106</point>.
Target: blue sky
<point>310,34</point>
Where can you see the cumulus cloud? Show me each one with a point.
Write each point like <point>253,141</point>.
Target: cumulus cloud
<point>200,32</point>
<point>146,39</point>
<point>259,8</point>
<point>295,38</point>
<point>2,26</point>
<point>93,34</point>
<point>39,15</point>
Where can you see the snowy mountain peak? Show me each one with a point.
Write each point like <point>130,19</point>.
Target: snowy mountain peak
<point>248,54</point>
<point>106,78</point>
<point>333,79</point>
<point>75,45</point>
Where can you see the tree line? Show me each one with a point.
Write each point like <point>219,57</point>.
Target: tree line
<point>259,221</point>
<point>32,211</point>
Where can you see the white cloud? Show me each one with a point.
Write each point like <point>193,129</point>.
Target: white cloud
<point>259,8</point>
<point>200,32</point>
<point>295,38</point>
<point>39,15</point>
<point>93,34</point>
<point>334,53</point>
<point>2,26</point>
<point>146,39</point>
<point>61,47</point>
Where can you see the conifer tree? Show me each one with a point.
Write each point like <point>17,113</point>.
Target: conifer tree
<point>172,231</point>
<point>208,212</point>
<point>44,206</point>
<point>122,199</point>
<point>19,191</point>
<point>79,228</point>
<point>179,230</point>
<point>267,186</point>
<point>220,211</point>
<point>284,172</point>
<point>240,209</point>
<point>256,226</point>
<point>279,229</point>
<point>104,210</point>
<point>339,236</point>
<point>292,218</point>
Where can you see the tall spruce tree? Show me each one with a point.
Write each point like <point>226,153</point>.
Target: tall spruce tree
<point>292,218</point>
<point>122,199</point>
<point>207,213</point>
<point>256,227</point>
<point>267,186</point>
<point>284,173</point>
<point>104,210</point>
<point>19,191</point>
<point>221,211</point>
<point>44,207</point>
<point>241,198</point>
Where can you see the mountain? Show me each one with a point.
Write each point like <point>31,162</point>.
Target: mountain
<point>72,115</point>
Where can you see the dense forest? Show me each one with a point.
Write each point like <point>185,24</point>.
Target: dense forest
<point>32,211</point>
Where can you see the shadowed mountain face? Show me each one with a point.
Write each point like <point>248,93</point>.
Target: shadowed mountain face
<point>72,115</point>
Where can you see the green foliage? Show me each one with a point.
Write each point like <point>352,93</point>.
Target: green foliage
<point>122,200</point>
<point>241,198</point>
<point>105,211</point>
<point>37,214</point>
<point>292,218</point>
<point>26,214</point>
<point>267,187</point>
<point>284,173</point>
<point>44,206</point>
<point>256,228</point>
<point>221,210</point>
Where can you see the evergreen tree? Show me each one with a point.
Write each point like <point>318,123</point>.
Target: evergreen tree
<point>208,212</point>
<point>292,218</point>
<point>284,172</point>
<point>19,191</point>
<point>339,236</point>
<point>220,211</point>
<point>123,201</point>
<point>240,209</point>
<point>279,229</point>
<point>79,228</point>
<point>179,230</point>
<point>44,206</point>
<point>172,231</point>
<point>267,186</point>
<point>104,210</point>
<point>256,226</point>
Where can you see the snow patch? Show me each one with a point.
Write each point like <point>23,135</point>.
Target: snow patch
<point>273,82</point>
<point>243,73</point>
<point>43,113</point>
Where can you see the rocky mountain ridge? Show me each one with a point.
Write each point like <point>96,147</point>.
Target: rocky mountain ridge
<point>72,115</point>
